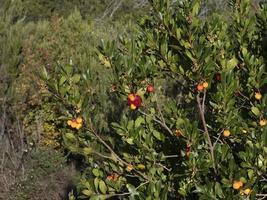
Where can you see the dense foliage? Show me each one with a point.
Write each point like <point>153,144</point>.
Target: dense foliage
<point>174,108</point>
<point>195,123</point>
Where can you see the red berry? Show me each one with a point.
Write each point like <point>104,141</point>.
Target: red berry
<point>137,101</point>
<point>150,88</point>
<point>218,77</point>
<point>188,150</point>
<point>134,101</point>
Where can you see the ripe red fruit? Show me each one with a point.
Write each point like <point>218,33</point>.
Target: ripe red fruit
<point>218,77</point>
<point>188,150</point>
<point>134,101</point>
<point>150,88</point>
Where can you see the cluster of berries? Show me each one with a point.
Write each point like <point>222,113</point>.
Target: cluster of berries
<point>202,86</point>
<point>75,123</point>
<point>135,101</point>
<point>238,185</point>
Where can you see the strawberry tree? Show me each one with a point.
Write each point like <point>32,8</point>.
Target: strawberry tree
<point>188,102</point>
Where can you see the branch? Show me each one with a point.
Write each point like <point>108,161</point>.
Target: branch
<point>217,139</point>
<point>261,196</point>
<point>171,156</point>
<point>158,121</point>
<point>127,193</point>
<point>161,115</point>
<point>114,153</point>
<point>202,115</point>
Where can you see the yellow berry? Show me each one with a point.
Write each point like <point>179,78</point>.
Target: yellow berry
<point>133,107</point>
<point>79,120</point>
<point>205,84</point>
<point>258,96</point>
<point>226,133</point>
<point>263,122</point>
<point>247,191</point>
<point>69,122</point>
<point>78,126</point>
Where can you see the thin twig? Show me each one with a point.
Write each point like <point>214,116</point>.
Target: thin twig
<point>102,156</point>
<point>217,139</point>
<point>202,115</point>
<point>203,100</point>
<point>158,121</point>
<point>161,165</point>
<point>171,156</point>
<point>127,193</point>
<point>261,196</point>
<point>161,115</point>
<point>114,153</point>
<point>3,119</point>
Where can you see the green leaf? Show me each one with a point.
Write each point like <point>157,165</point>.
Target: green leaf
<point>130,141</point>
<point>178,33</point>
<point>96,183</point>
<point>255,111</point>
<point>87,150</point>
<point>182,192</point>
<point>139,121</point>
<point>232,63</point>
<point>102,186</point>
<point>195,8</point>
<point>87,192</point>
<point>158,135</point>
<point>70,136</point>
<point>62,80</point>
<point>76,78</point>
<point>218,190</point>
<point>96,172</point>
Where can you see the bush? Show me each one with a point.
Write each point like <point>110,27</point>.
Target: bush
<point>58,41</point>
<point>195,123</point>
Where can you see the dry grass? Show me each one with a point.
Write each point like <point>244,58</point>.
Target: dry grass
<point>36,174</point>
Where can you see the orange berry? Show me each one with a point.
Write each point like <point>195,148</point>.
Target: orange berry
<point>178,133</point>
<point>237,185</point>
<point>113,177</point>
<point>69,122</point>
<point>79,120</point>
<point>110,178</point>
<point>226,133</point>
<point>78,126</point>
<point>200,87</point>
<point>73,124</point>
<point>205,84</point>
<point>131,97</point>
<point>263,122</point>
<point>258,95</point>
<point>129,168</point>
